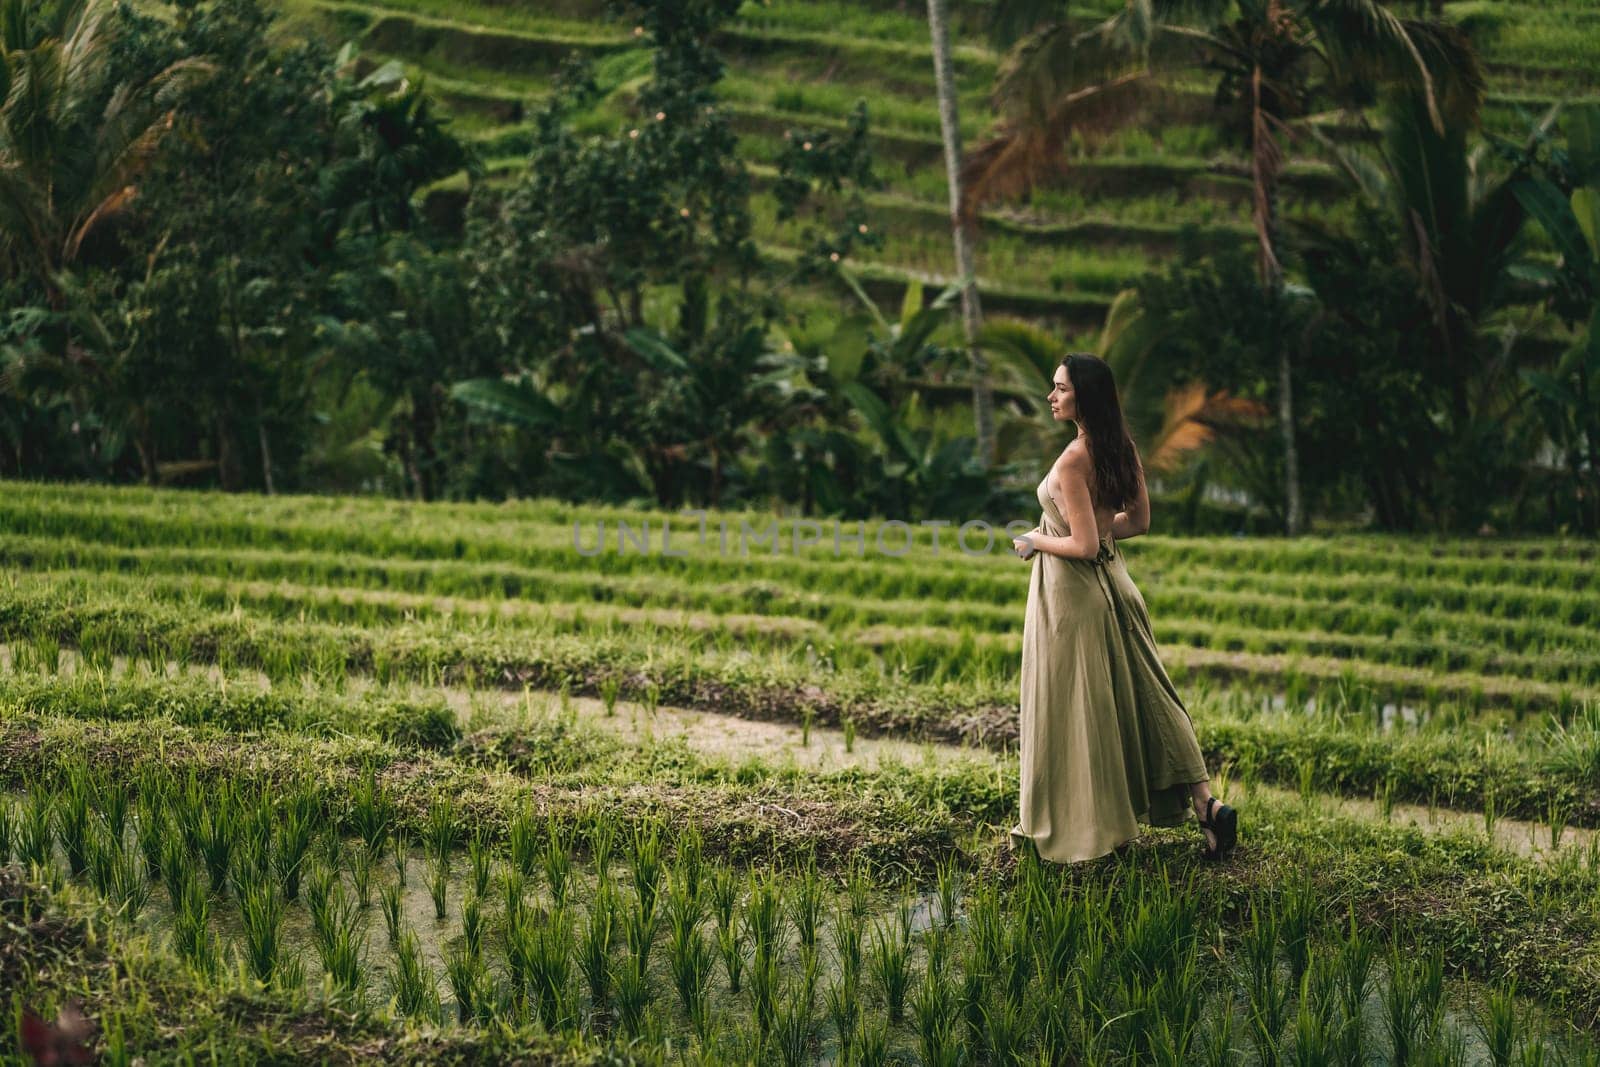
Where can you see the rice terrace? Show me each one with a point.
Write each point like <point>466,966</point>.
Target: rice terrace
<point>684,532</point>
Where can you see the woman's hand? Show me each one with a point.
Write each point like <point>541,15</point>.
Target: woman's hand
<point>1023,544</point>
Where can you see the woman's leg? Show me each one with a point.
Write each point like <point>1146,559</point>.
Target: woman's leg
<point>1201,791</point>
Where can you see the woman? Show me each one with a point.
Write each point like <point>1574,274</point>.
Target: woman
<point>1106,742</point>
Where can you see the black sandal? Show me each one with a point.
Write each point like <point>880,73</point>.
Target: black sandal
<point>1224,821</point>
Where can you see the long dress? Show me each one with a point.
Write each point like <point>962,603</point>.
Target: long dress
<point>1106,743</point>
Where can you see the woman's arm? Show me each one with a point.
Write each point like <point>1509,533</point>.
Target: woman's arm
<point>1071,472</point>
<point>1136,519</point>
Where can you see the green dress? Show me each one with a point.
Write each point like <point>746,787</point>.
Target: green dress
<point>1105,741</point>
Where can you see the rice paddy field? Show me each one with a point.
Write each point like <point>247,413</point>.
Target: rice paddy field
<point>1057,259</point>
<point>316,779</point>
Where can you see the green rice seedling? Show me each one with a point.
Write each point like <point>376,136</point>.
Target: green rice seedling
<point>646,859</point>
<point>10,827</point>
<point>217,827</point>
<point>100,854</point>
<point>35,831</point>
<point>128,890</point>
<point>762,979</point>
<point>858,890</point>
<point>361,865</point>
<point>251,861</point>
<point>949,892</point>
<point>522,842</point>
<point>791,1031</point>
<point>724,896</point>
<point>730,946</point>
<point>689,861</point>
<point>639,931</point>
<point>1005,1026</point>
<point>468,982</point>
<point>296,827</point>
<point>480,861</point>
<point>1491,812</point>
<point>842,1004</point>
<point>608,694</point>
<point>441,828</point>
<point>1269,993</point>
<point>112,800</point>
<point>652,698</point>
<point>340,942</point>
<point>176,864</point>
<point>1299,915</point>
<point>371,812</point>
<point>151,826</point>
<point>805,907</point>
<point>261,908</point>
<point>936,1016</point>
<point>869,1045</point>
<point>412,984</point>
<point>1018,960</point>
<point>401,853</point>
<point>1216,1048</point>
<point>889,963</point>
<point>513,890</point>
<point>557,864</point>
<point>1315,1031</point>
<point>518,938</point>
<point>1403,1008</point>
<point>594,946</point>
<point>1558,810</point>
<point>689,958</point>
<point>191,930</point>
<point>390,903</point>
<point>808,716</point>
<point>634,997</point>
<point>849,734</point>
<point>472,925</point>
<point>322,882</point>
<point>602,843</point>
<point>46,648</point>
<point>1498,1024</point>
<point>1383,796</point>
<point>72,819</point>
<point>439,884</point>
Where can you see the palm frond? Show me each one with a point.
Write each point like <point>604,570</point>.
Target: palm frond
<point>1020,155</point>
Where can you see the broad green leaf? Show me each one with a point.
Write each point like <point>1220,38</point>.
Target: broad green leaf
<point>910,304</point>
<point>513,402</point>
<point>655,350</point>
<point>848,347</point>
<point>1586,209</point>
<point>1542,200</point>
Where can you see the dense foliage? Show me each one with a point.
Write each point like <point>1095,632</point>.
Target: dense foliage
<point>238,286</point>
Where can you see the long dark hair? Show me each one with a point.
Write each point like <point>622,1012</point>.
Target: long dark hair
<point>1116,464</point>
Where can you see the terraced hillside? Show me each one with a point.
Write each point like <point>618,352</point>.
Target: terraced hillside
<point>1060,257</point>
<point>349,778</point>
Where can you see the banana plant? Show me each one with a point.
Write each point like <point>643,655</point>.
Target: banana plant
<point>1567,396</point>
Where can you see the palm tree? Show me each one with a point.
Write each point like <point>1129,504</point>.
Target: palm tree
<point>72,143</point>
<point>1059,80</point>
<point>1458,223</point>
<point>961,231</point>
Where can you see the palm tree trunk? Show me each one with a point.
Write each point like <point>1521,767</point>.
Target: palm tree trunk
<point>1264,163</point>
<point>971,312</point>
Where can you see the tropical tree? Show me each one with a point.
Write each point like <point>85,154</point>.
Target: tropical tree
<point>74,138</point>
<point>1442,236</point>
<point>1267,53</point>
<point>1562,193</point>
